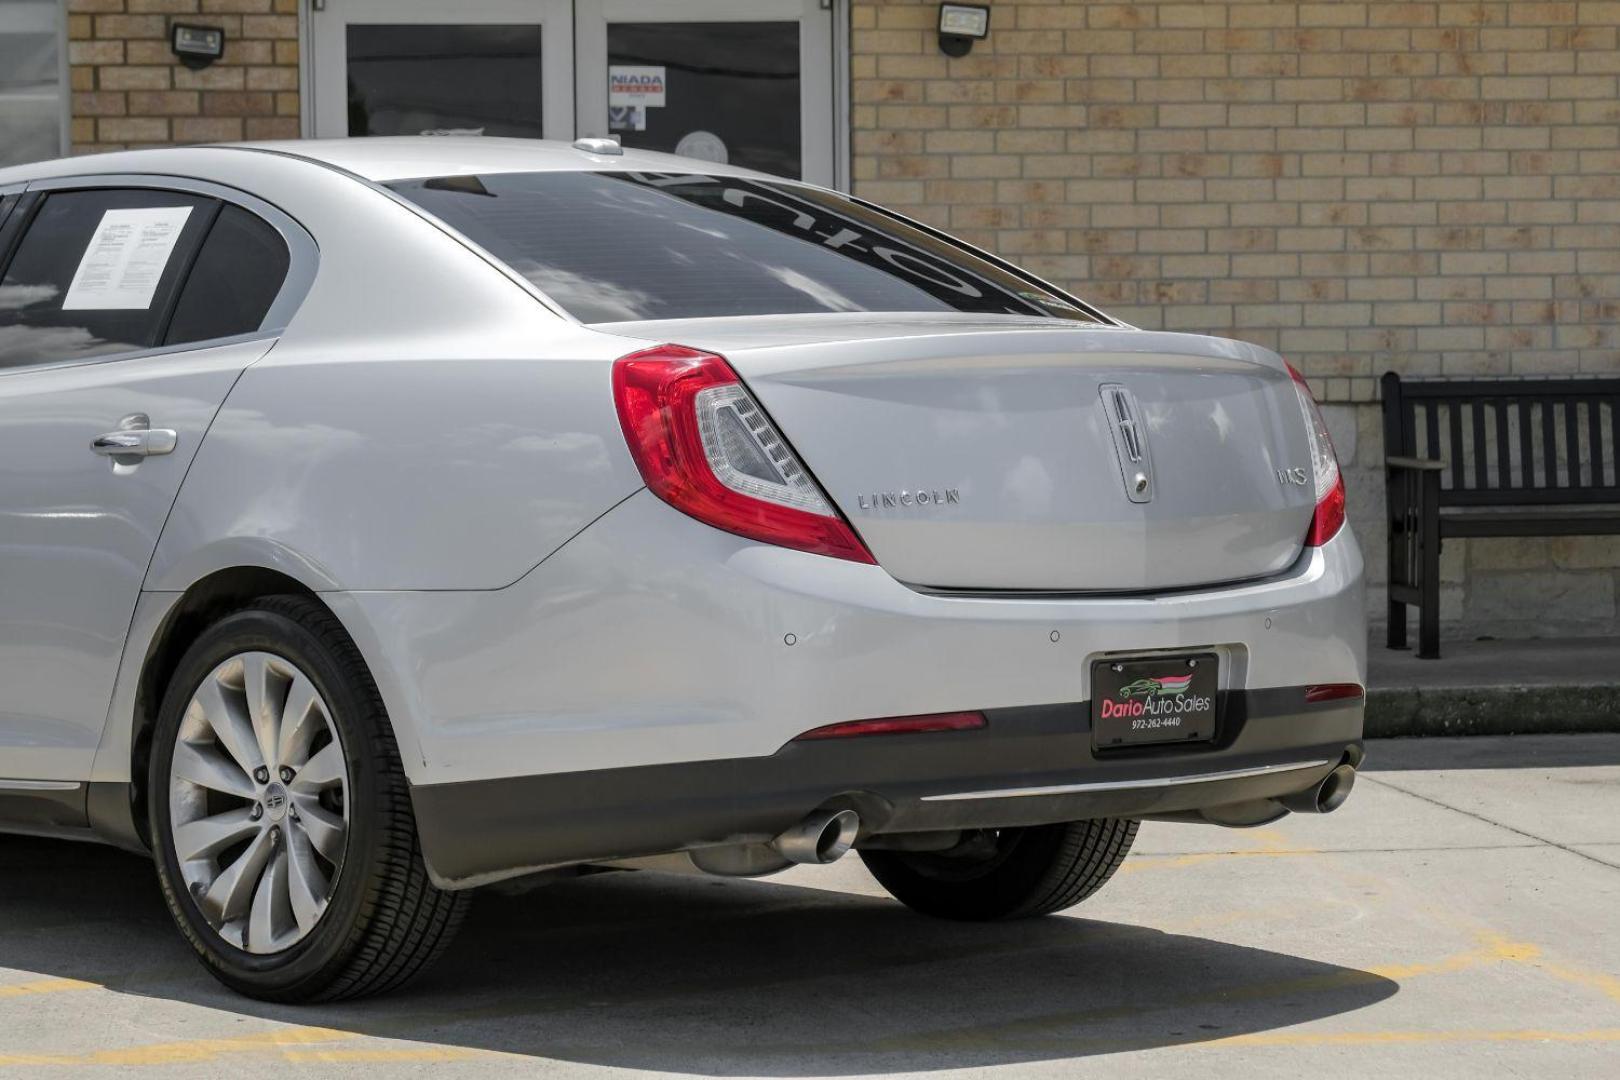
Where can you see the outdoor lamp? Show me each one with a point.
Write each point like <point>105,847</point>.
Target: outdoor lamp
<point>196,46</point>
<point>960,25</point>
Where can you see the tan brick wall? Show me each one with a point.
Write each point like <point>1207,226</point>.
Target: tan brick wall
<point>129,90</point>
<point>1362,186</point>
<point>1429,187</point>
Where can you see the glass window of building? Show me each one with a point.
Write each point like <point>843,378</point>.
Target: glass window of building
<point>32,109</point>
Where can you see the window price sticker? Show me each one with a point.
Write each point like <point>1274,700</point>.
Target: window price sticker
<point>125,260</point>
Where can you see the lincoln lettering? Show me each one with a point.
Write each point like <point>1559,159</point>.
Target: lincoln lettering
<point>883,500</point>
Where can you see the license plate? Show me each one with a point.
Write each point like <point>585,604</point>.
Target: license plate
<point>1168,699</point>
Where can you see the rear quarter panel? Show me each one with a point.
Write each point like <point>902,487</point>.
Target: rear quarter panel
<point>423,423</point>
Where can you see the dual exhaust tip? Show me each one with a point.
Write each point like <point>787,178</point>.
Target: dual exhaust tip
<point>824,836</point>
<point>1327,796</point>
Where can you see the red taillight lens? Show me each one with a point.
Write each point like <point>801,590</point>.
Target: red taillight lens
<point>1329,516</point>
<point>704,446</point>
<point>898,725</point>
<point>1338,691</point>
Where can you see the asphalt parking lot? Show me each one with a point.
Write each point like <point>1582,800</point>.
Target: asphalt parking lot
<point>1459,917</point>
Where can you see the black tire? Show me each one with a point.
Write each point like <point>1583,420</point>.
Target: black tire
<point>1007,873</point>
<point>384,921</point>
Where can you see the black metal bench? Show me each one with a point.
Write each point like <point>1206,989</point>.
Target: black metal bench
<point>1491,457</point>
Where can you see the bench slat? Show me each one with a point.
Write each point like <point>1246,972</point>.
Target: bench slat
<point>1457,463</point>
<point>1549,446</point>
<point>1527,458</point>
<point>1504,454</point>
<point>1572,441</point>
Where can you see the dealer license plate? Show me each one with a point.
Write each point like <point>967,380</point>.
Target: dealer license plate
<point>1166,699</point>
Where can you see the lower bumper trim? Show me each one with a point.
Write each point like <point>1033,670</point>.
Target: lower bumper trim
<point>1128,785</point>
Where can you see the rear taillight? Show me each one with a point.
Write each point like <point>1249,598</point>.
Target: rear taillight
<point>704,446</point>
<point>1329,516</point>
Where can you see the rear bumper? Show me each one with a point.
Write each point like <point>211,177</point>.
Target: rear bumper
<point>1029,766</point>
<point>641,689</point>
<point>651,639</point>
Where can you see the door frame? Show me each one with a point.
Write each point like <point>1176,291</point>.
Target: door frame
<point>817,102</point>
<point>327,47</point>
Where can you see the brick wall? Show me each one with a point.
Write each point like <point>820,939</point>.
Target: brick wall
<point>1428,187</point>
<point>129,90</point>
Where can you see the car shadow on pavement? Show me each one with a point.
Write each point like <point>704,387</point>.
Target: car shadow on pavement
<point>709,976</point>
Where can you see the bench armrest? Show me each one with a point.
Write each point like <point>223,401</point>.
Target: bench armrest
<point>1416,464</point>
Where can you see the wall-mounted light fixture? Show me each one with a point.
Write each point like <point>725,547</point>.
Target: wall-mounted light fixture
<point>196,46</point>
<point>960,25</point>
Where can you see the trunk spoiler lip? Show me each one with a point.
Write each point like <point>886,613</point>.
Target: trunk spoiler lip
<point>742,335</point>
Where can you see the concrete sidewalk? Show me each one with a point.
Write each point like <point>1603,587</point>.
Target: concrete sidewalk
<point>1495,688</point>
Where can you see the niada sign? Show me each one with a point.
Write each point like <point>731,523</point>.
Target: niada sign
<point>636,85</point>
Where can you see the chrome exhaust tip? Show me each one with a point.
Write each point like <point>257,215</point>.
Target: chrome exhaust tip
<point>822,837</point>
<point>1327,796</point>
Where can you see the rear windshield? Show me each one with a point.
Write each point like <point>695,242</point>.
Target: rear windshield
<point>626,246</point>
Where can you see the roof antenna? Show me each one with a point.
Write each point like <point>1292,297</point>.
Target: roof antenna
<point>597,145</point>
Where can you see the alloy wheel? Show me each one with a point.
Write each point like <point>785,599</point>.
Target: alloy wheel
<point>258,798</point>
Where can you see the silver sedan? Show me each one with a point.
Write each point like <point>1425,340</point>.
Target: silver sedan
<point>383,518</point>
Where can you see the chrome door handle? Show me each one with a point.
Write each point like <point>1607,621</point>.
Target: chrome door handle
<point>135,438</point>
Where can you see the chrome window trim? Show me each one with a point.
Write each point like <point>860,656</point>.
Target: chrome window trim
<point>303,258</point>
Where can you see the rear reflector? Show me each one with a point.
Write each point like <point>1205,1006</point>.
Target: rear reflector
<point>898,725</point>
<point>1337,691</point>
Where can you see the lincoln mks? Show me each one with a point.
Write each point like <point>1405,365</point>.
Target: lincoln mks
<point>385,518</point>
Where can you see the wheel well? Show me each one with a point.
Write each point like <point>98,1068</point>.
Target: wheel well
<point>201,605</point>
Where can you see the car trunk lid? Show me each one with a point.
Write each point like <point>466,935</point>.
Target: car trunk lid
<point>1011,454</point>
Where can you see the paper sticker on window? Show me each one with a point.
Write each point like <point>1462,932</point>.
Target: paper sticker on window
<point>636,85</point>
<point>122,266</point>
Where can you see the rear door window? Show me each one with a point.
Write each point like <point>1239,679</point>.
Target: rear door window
<point>96,272</point>
<point>237,275</point>
<point>630,246</point>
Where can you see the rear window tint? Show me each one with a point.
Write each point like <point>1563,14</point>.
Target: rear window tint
<point>630,246</point>
<point>236,278</point>
<point>95,273</point>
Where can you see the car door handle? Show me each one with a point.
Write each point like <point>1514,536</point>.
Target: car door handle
<point>135,439</point>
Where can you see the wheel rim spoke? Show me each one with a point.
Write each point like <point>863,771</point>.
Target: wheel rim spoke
<point>321,771</point>
<point>326,830</point>
<point>230,893</point>
<point>209,836</point>
<point>229,724</point>
<point>264,712</point>
<point>208,768</point>
<point>259,856</point>
<point>270,909</point>
<point>306,885</point>
<point>301,721</point>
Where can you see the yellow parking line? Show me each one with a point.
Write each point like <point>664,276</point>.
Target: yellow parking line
<point>45,986</point>
<point>1269,843</point>
<point>189,1051</point>
<point>421,1053</point>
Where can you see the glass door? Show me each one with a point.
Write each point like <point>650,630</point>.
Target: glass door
<point>426,67</point>
<point>747,82</point>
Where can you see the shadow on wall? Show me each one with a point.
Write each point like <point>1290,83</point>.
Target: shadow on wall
<point>709,976</point>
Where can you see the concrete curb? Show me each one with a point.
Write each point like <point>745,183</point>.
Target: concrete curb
<point>1394,713</point>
